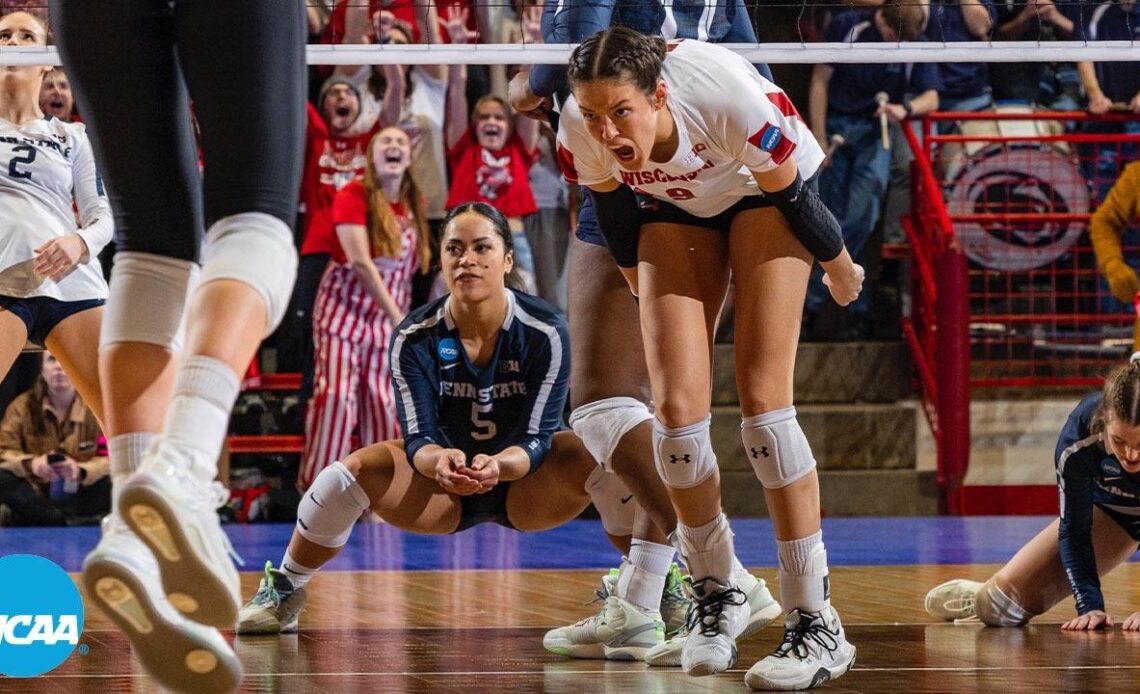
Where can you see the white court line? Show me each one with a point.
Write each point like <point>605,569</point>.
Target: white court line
<point>639,672</point>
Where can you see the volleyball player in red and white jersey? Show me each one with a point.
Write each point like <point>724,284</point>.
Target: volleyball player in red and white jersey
<point>383,231</point>
<point>717,155</point>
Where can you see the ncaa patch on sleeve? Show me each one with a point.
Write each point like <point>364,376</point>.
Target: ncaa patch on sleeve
<point>771,139</point>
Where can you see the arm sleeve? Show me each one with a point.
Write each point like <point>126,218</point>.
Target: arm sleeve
<point>548,381</point>
<point>619,222</point>
<point>1074,483</point>
<point>417,397</point>
<point>97,223</point>
<point>567,22</point>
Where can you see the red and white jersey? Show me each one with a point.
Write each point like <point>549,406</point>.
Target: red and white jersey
<point>47,174</point>
<point>730,122</point>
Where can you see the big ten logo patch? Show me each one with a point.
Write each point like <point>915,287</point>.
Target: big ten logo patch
<point>41,615</point>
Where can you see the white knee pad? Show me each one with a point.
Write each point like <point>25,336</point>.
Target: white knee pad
<point>147,300</point>
<point>777,448</point>
<point>996,609</point>
<point>684,455</point>
<point>256,249</point>
<point>613,500</point>
<point>602,423</point>
<point>331,506</point>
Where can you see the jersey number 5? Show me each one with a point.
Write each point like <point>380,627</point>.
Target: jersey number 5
<point>485,429</point>
<point>27,157</point>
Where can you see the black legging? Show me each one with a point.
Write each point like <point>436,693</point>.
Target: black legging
<point>136,64</point>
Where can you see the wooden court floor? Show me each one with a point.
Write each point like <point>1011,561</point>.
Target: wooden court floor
<point>481,631</point>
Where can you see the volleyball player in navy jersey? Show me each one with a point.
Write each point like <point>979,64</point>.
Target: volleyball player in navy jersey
<point>136,66</point>
<point>1098,479</point>
<point>481,377</point>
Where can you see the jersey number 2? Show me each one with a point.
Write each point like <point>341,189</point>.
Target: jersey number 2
<point>485,429</point>
<point>27,157</point>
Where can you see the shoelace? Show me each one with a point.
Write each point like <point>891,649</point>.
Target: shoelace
<point>267,595</point>
<point>707,608</point>
<point>811,629</point>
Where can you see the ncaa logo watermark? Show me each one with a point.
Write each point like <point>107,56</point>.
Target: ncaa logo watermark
<point>41,615</point>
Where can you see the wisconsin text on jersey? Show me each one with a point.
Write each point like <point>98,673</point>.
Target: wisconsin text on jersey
<point>643,178</point>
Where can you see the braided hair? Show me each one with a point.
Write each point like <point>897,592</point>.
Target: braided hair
<point>1121,396</point>
<point>618,53</point>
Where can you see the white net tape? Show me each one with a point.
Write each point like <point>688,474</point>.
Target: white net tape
<point>775,53</point>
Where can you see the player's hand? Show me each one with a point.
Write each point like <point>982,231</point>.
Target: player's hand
<point>1122,280</point>
<point>485,470</point>
<point>1134,104</point>
<point>845,285</point>
<point>58,257</point>
<point>1099,104</point>
<point>448,467</point>
<point>526,102</point>
<point>1090,621</point>
<point>1132,623</point>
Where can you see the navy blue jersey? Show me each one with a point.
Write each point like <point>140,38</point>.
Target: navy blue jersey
<point>515,400</point>
<point>1086,475</point>
<point>1107,21</point>
<point>959,80</point>
<point>853,86</point>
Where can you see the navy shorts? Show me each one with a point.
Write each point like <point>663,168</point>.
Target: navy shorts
<point>587,229</point>
<point>1131,524</point>
<point>42,313</point>
<point>651,210</point>
<point>485,508</point>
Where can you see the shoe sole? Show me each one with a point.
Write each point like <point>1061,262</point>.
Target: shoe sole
<point>704,669</point>
<point>179,657</point>
<point>584,651</point>
<point>672,656</point>
<point>192,586</point>
<point>821,677</point>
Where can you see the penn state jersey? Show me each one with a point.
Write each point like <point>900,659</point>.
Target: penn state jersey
<point>514,400</point>
<point>45,165</point>
<point>1088,475</point>
<point>730,122</point>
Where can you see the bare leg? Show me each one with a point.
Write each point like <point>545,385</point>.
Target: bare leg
<point>72,343</point>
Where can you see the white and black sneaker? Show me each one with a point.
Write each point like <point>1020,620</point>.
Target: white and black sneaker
<point>720,614</point>
<point>814,651</point>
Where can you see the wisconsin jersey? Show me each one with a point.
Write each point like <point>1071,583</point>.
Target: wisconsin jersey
<point>45,164</point>
<point>730,121</point>
<point>514,400</point>
<point>1088,475</point>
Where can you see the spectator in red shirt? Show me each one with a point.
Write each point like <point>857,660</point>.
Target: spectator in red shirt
<point>363,295</point>
<point>490,157</point>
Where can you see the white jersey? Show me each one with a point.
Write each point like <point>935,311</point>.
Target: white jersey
<point>47,171</point>
<point>730,122</point>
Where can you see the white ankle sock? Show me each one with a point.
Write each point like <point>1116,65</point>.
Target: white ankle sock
<point>297,573</point>
<point>803,574</point>
<point>641,579</point>
<point>126,452</point>
<point>199,415</point>
<point>708,549</point>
